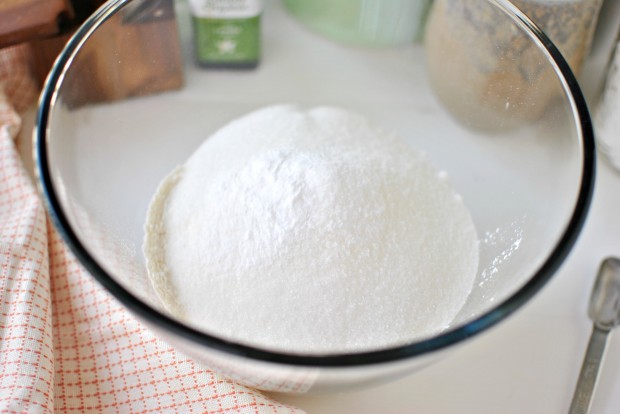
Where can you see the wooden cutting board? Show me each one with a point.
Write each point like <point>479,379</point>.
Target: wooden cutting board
<point>135,52</point>
<point>24,20</point>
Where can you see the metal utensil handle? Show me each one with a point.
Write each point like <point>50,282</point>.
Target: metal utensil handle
<point>589,371</point>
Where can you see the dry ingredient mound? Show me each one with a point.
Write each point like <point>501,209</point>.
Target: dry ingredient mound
<point>310,231</point>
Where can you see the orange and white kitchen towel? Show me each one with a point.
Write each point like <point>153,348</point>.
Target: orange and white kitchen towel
<point>66,345</point>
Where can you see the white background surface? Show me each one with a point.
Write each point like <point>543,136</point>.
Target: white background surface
<point>527,364</point>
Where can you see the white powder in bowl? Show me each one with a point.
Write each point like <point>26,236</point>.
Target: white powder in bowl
<point>310,231</point>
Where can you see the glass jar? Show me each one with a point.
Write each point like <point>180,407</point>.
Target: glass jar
<point>471,55</point>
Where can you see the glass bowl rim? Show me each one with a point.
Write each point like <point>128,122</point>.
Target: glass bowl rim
<point>447,338</point>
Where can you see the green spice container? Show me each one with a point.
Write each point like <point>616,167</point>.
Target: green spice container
<point>227,32</point>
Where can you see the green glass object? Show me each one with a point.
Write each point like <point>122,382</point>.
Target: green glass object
<point>363,22</point>
<point>227,33</point>
<point>227,42</point>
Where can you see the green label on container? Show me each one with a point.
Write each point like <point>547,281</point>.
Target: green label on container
<point>227,40</point>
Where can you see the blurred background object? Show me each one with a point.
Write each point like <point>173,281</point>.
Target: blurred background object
<point>606,119</point>
<point>227,34</point>
<point>24,20</point>
<point>474,77</point>
<point>146,31</point>
<point>600,81</point>
<point>363,22</point>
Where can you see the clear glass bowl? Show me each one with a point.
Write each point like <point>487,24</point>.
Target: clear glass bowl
<point>115,118</point>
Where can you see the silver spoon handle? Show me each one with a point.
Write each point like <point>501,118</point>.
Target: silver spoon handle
<point>589,371</point>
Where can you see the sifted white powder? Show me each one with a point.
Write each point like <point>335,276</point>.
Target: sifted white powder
<point>310,231</point>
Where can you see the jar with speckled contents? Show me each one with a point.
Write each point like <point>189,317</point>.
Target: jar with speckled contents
<point>472,57</point>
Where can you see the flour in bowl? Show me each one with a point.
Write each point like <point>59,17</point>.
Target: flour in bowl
<point>310,231</point>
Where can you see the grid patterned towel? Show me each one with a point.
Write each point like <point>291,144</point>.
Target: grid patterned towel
<point>66,345</point>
